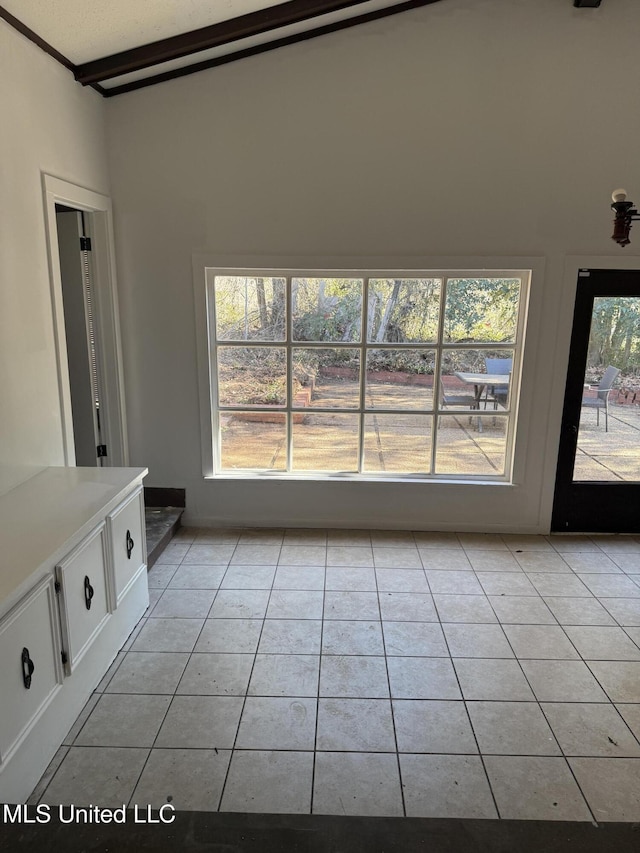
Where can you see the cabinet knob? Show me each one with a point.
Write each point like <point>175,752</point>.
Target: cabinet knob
<point>130,545</point>
<point>88,592</point>
<point>27,668</point>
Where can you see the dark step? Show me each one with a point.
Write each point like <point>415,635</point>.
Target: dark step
<point>161,525</point>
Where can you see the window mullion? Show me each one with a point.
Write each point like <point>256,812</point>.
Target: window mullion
<point>437,376</point>
<point>363,370</point>
<point>288,340</point>
<point>214,394</point>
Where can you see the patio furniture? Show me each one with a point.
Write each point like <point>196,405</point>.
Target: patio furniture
<point>480,381</point>
<point>447,399</point>
<point>499,393</point>
<point>601,400</point>
<point>472,403</point>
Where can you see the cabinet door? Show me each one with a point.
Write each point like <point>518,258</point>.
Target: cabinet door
<point>30,664</point>
<point>84,594</point>
<point>127,539</point>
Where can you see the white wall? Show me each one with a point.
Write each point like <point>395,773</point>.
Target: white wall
<point>48,124</point>
<point>470,127</point>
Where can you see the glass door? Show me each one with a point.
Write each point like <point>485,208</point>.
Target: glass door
<point>598,474</point>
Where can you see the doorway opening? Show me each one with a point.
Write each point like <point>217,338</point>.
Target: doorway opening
<point>598,473</point>
<point>86,324</point>
<point>74,246</point>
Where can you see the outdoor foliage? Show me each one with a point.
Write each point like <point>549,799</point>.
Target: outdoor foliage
<point>250,308</point>
<point>615,336</point>
<point>326,309</point>
<point>399,311</point>
<point>481,310</point>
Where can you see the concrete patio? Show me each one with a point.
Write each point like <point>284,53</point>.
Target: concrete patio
<point>397,443</point>
<point>612,455</point>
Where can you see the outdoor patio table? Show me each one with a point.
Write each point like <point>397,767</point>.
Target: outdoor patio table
<point>480,381</point>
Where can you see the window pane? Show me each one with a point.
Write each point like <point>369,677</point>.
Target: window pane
<point>481,309</point>
<point>471,445</point>
<point>403,310</point>
<point>253,440</point>
<point>439,351</point>
<point>610,414</point>
<point>400,379</point>
<point>250,308</point>
<point>327,378</point>
<point>325,442</point>
<point>476,379</point>
<point>326,309</point>
<point>397,443</point>
<point>252,376</point>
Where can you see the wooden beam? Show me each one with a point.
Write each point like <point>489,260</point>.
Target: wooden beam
<point>234,56</point>
<point>35,38</point>
<point>216,35</point>
<point>24,30</point>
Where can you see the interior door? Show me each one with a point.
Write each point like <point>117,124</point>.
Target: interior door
<point>80,334</point>
<point>598,474</point>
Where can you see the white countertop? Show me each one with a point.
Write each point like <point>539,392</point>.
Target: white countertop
<point>12,475</point>
<point>44,516</point>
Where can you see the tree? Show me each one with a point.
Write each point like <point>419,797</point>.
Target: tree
<point>615,333</point>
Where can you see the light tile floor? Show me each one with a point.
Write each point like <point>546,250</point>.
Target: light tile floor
<point>373,673</point>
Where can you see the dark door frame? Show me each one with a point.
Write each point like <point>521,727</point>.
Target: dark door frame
<point>593,506</point>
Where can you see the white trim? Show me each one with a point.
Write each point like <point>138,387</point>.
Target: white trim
<point>380,522</point>
<point>202,346</point>
<point>100,229</point>
<point>530,300</point>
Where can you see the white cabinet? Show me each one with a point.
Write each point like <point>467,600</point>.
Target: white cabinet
<point>127,540</point>
<point>84,595</point>
<point>73,585</point>
<point>30,664</point>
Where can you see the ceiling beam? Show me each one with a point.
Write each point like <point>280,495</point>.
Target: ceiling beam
<point>274,44</point>
<point>24,30</point>
<point>216,35</point>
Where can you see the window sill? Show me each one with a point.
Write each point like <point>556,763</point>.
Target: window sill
<point>444,480</point>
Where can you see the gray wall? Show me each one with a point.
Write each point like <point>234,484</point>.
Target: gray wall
<point>460,129</point>
<point>49,124</point>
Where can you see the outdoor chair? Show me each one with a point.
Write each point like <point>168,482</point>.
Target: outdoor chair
<point>467,400</point>
<point>601,400</point>
<point>498,393</point>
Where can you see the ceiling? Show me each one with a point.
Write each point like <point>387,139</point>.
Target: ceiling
<point>120,45</point>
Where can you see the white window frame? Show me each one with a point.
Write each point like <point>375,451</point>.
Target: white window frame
<point>206,268</point>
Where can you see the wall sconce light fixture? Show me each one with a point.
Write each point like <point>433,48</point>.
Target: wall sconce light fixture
<point>626,213</point>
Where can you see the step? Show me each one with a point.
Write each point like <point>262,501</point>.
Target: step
<point>161,525</point>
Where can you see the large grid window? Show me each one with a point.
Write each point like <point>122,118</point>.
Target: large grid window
<point>367,374</point>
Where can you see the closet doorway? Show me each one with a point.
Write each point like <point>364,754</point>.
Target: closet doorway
<point>86,324</point>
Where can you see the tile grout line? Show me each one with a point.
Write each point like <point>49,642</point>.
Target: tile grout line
<point>393,716</point>
<point>540,708</point>
<point>175,692</point>
<point>320,656</point>
<point>190,654</point>
<point>475,737</point>
<point>246,695</point>
<point>599,757</point>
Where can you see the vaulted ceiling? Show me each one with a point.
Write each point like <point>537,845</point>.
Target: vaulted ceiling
<point>120,45</point>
